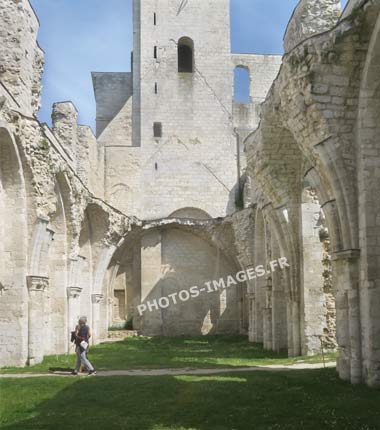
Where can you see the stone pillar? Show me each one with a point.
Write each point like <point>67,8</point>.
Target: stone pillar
<point>111,303</point>
<point>296,329</point>
<point>294,338</point>
<point>355,333</point>
<point>345,267</point>
<point>289,320</point>
<point>268,335</point>
<point>36,287</point>
<point>243,308</point>
<point>96,300</point>
<point>279,326</point>
<point>259,311</point>
<point>136,284</point>
<point>251,317</point>
<point>73,307</point>
<point>342,332</point>
<point>268,328</point>
<point>312,293</point>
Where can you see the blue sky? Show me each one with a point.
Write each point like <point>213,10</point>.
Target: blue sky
<point>81,36</point>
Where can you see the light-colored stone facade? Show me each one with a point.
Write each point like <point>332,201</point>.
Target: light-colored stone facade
<point>191,170</point>
<point>100,225</point>
<point>318,132</point>
<point>51,189</point>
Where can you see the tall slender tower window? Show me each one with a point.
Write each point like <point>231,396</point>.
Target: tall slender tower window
<point>242,82</point>
<point>155,52</point>
<point>185,55</point>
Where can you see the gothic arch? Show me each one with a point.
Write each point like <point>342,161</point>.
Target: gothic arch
<point>13,253</point>
<point>368,151</point>
<point>60,231</point>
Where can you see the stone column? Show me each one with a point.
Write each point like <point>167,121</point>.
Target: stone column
<point>73,310</point>
<point>136,282</point>
<point>36,287</point>
<point>345,267</point>
<point>259,310</point>
<point>268,329</point>
<point>279,326</point>
<point>247,323</point>
<point>289,321</point>
<point>96,300</point>
<point>294,338</point>
<point>312,294</point>
<point>296,329</point>
<point>251,317</point>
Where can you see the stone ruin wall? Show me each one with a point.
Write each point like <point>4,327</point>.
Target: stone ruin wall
<point>320,113</point>
<point>315,95</point>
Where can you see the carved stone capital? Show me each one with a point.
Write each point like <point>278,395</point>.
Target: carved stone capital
<point>96,298</point>
<point>37,283</point>
<point>73,292</point>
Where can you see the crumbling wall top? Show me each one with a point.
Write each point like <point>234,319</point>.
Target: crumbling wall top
<point>310,17</point>
<point>21,59</point>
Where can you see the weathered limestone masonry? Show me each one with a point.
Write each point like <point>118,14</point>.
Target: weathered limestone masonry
<point>152,176</point>
<point>53,229</point>
<point>63,250</point>
<point>319,132</point>
<point>173,139</point>
<point>169,150</point>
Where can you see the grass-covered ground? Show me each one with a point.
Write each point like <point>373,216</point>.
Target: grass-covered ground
<point>164,352</point>
<point>291,400</point>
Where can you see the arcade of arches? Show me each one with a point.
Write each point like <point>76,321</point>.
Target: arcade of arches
<point>311,194</point>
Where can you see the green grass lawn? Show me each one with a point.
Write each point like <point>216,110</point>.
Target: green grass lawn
<point>292,400</point>
<point>164,352</point>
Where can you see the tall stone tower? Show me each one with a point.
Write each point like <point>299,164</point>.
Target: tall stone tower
<point>170,150</point>
<point>181,139</point>
<point>182,106</point>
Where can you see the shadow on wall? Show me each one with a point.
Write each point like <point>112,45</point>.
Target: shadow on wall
<point>234,199</point>
<point>185,260</point>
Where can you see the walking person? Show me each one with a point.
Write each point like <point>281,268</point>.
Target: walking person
<point>81,337</point>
